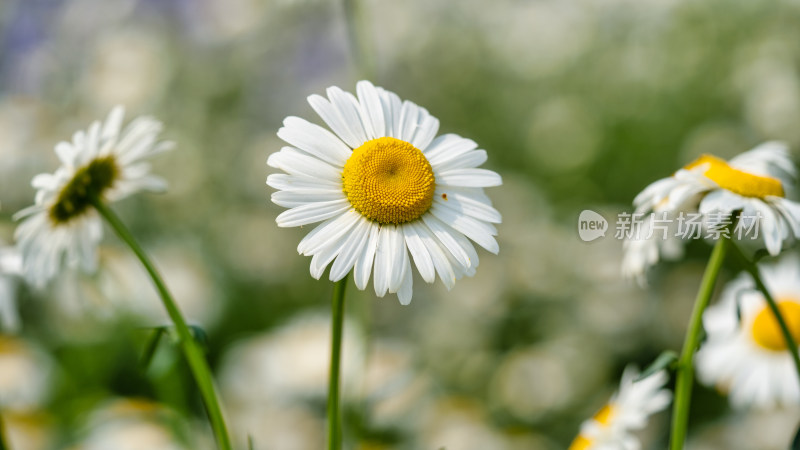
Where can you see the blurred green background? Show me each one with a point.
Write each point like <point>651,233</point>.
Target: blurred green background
<point>580,104</point>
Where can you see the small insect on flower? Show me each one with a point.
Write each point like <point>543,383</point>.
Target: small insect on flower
<point>755,184</point>
<point>745,353</point>
<point>104,163</point>
<point>627,411</point>
<point>383,185</point>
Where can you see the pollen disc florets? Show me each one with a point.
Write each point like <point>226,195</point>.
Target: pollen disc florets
<point>738,181</point>
<point>767,332</point>
<point>389,181</point>
<point>75,197</point>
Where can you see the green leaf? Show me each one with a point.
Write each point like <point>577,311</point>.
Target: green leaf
<point>665,360</point>
<point>250,444</point>
<point>151,347</point>
<point>796,441</point>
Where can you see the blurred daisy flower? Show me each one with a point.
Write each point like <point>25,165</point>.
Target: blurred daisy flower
<point>10,269</point>
<point>745,353</point>
<point>131,423</point>
<point>287,364</point>
<point>641,252</point>
<point>754,184</point>
<point>628,410</point>
<point>105,162</point>
<point>384,186</point>
<point>26,375</point>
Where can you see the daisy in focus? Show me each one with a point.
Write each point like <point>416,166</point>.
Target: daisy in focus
<point>104,163</point>
<point>755,184</point>
<point>387,190</point>
<point>745,352</point>
<point>611,428</point>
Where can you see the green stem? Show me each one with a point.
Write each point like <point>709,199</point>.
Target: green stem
<point>337,319</point>
<point>685,372</point>
<point>192,352</point>
<point>754,272</point>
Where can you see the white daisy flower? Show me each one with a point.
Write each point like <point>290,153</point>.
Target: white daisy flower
<point>106,161</point>
<point>26,374</point>
<point>754,183</point>
<point>384,186</point>
<point>628,410</point>
<point>130,424</point>
<point>745,353</point>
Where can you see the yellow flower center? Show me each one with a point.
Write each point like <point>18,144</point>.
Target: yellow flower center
<point>389,181</point>
<point>603,417</point>
<point>75,197</point>
<point>737,181</point>
<point>766,331</point>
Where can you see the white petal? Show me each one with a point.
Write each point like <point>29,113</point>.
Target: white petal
<point>391,106</point>
<point>311,213</point>
<point>407,124</point>
<point>321,260</point>
<point>66,154</point>
<point>444,235</point>
<point>770,228</point>
<point>422,259</point>
<point>290,199</point>
<point>469,178</point>
<point>294,183</point>
<point>314,140</point>
<point>295,162</point>
<point>327,231</point>
<point>348,108</point>
<point>351,250</point>
<point>654,192</point>
<point>468,160</point>
<point>440,261</point>
<point>400,260</point>
<point>93,140</point>
<point>44,181</point>
<point>384,255</point>
<point>459,270</point>
<point>476,230</point>
<point>448,146</point>
<point>467,205</point>
<point>136,137</point>
<point>330,249</point>
<point>113,124</point>
<point>790,211</point>
<point>721,200</point>
<point>426,131</point>
<point>363,266</point>
<point>370,101</point>
<point>331,116</point>
<point>407,286</point>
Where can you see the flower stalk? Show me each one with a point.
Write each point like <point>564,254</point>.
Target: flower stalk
<point>755,273</point>
<point>194,355</point>
<point>337,320</point>
<point>685,369</point>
